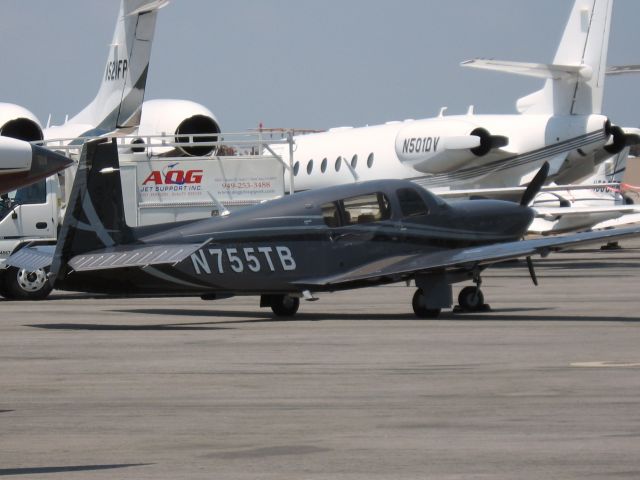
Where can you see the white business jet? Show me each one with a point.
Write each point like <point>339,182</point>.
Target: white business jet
<point>562,124</point>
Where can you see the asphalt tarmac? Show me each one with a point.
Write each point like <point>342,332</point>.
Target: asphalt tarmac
<point>546,385</point>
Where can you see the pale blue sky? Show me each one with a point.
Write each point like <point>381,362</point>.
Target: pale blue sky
<point>303,63</point>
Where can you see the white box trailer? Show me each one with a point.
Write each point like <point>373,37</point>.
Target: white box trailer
<point>158,186</point>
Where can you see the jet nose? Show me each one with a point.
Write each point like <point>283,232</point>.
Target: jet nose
<point>45,162</point>
<point>22,164</point>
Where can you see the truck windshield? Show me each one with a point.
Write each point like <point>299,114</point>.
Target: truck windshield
<point>29,195</point>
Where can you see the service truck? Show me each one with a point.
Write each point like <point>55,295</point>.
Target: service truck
<point>160,183</point>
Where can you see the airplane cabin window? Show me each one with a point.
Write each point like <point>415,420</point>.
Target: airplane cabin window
<point>296,168</point>
<point>310,167</point>
<point>331,215</point>
<point>368,208</point>
<point>354,161</point>
<point>323,165</point>
<point>370,160</point>
<point>338,163</point>
<point>411,203</point>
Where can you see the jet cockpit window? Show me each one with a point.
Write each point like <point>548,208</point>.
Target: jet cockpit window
<point>411,203</point>
<point>331,214</point>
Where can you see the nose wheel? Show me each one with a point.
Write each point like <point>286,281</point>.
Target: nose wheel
<point>471,299</point>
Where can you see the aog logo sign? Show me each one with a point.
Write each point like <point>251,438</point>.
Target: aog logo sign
<point>173,176</point>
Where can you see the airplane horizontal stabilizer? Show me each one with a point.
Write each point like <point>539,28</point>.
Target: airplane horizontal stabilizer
<point>402,267</point>
<point>622,69</point>
<point>538,70</point>
<point>132,256</point>
<point>32,258</point>
<point>150,6</point>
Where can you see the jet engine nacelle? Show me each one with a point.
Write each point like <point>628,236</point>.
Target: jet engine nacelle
<point>444,145</point>
<point>178,118</point>
<point>18,122</point>
<point>619,138</point>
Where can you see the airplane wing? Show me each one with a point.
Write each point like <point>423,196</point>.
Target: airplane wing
<point>402,267</point>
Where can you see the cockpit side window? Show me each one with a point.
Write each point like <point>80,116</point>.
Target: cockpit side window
<point>411,203</point>
<point>331,214</point>
<point>372,207</point>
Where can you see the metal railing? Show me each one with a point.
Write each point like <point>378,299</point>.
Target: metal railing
<point>258,142</point>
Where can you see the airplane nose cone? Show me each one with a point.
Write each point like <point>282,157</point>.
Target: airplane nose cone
<point>22,164</point>
<point>46,162</point>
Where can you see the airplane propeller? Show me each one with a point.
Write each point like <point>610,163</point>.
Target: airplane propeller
<point>532,272</point>
<point>527,197</point>
<point>535,185</point>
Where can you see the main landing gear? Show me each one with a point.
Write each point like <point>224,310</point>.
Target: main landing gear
<point>281,305</point>
<point>420,308</point>
<point>432,296</point>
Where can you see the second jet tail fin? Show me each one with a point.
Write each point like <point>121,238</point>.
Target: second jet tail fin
<point>118,103</point>
<point>575,80</point>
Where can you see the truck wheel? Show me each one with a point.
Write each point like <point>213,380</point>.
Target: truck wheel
<point>285,305</point>
<point>21,284</point>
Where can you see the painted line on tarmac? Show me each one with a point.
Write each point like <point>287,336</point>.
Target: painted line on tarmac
<point>605,364</point>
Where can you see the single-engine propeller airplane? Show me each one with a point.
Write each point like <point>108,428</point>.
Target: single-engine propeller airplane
<point>336,238</point>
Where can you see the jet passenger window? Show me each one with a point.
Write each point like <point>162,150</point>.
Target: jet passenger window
<point>368,208</point>
<point>411,203</point>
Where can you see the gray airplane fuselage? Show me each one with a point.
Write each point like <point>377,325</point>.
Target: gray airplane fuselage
<point>274,247</point>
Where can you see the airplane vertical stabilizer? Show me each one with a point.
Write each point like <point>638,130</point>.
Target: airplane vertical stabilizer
<point>95,217</point>
<point>119,100</point>
<point>584,44</point>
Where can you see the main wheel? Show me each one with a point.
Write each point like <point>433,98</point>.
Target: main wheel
<point>21,284</point>
<point>285,305</point>
<point>419,306</point>
<point>471,299</point>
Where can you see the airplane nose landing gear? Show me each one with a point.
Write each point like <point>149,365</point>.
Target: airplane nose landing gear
<point>471,299</point>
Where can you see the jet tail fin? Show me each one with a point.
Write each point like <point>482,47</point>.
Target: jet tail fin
<point>118,103</point>
<point>95,216</point>
<point>575,80</point>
